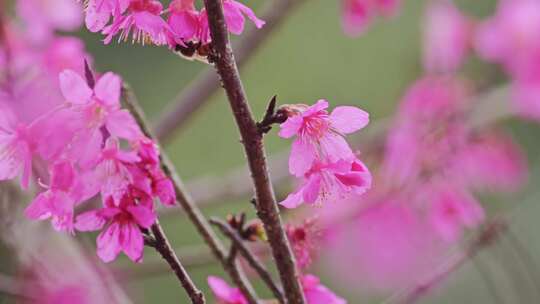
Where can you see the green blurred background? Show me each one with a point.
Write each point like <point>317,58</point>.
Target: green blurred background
<point>306,59</point>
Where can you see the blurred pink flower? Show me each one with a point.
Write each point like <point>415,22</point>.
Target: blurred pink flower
<point>224,293</point>
<point>492,161</point>
<point>319,135</point>
<point>64,53</point>
<point>316,293</point>
<point>447,36</point>
<point>43,17</point>
<point>304,239</point>
<point>330,183</point>
<point>510,38</point>
<point>386,246</point>
<point>17,144</point>
<point>357,14</point>
<point>123,232</point>
<point>143,21</point>
<point>452,209</point>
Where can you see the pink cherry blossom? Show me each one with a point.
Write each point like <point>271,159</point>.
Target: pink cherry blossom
<point>452,210</point>
<point>224,293</point>
<point>446,37</point>
<point>185,21</point>
<point>59,201</point>
<point>96,108</point>
<point>357,14</point>
<point>112,169</point>
<point>316,293</point>
<point>319,135</point>
<point>123,223</point>
<point>330,182</point>
<point>142,21</point>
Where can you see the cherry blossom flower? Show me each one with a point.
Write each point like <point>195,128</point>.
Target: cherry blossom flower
<point>330,182</point>
<point>316,293</point>
<point>142,20</point>
<point>319,135</point>
<point>96,108</point>
<point>453,209</point>
<point>447,36</point>
<point>124,221</point>
<point>66,190</point>
<point>357,14</point>
<point>224,293</point>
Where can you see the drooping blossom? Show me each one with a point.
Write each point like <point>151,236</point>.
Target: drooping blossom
<point>330,182</point>
<point>358,14</point>
<point>320,135</point>
<point>121,223</point>
<point>142,21</point>
<point>447,35</point>
<point>224,293</point>
<point>510,39</point>
<point>66,190</point>
<point>316,293</point>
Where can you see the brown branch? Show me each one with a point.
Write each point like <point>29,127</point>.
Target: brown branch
<point>488,234</point>
<point>267,208</point>
<point>258,266</point>
<point>182,196</point>
<point>206,84</point>
<point>163,246</point>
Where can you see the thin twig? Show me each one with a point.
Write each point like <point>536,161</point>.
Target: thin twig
<point>206,84</point>
<point>182,196</point>
<point>163,246</point>
<point>253,261</point>
<point>490,233</point>
<point>267,208</point>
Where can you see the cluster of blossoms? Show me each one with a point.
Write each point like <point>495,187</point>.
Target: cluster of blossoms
<point>181,26</point>
<point>321,156</point>
<point>65,131</point>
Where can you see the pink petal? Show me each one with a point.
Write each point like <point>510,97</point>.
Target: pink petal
<point>108,243</point>
<point>90,221</point>
<point>225,293</point>
<point>294,199</point>
<point>121,124</point>
<point>234,18</point>
<point>249,13</point>
<point>96,20</point>
<point>108,89</point>
<point>143,216</point>
<point>348,119</point>
<point>74,87</point>
<point>39,207</point>
<point>320,105</point>
<point>291,126</point>
<point>356,16</point>
<point>312,189</point>
<point>132,241</point>
<point>335,147</point>
<point>301,158</point>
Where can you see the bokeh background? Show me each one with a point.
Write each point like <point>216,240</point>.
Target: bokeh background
<point>306,59</point>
